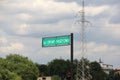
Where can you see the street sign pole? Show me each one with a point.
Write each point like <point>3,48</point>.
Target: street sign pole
<point>61,41</point>
<point>71,55</point>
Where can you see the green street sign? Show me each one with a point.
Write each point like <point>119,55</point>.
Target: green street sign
<point>56,41</point>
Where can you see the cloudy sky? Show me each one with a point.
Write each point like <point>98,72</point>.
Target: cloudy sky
<point>23,23</point>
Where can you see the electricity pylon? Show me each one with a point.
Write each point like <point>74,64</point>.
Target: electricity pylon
<point>82,67</point>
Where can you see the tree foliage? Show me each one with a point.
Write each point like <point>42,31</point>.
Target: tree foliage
<point>43,69</point>
<point>55,77</point>
<point>97,72</point>
<point>113,75</point>
<point>58,67</point>
<point>5,74</point>
<point>17,67</point>
<point>61,68</point>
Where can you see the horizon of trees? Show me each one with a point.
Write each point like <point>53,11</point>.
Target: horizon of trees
<point>62,68</point>
<point>17,67</point>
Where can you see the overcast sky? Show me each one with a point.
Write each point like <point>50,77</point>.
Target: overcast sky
<point>23,23</point>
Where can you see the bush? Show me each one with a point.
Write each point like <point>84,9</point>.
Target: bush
<point>55,77</point>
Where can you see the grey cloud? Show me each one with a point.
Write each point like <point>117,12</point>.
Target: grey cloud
<point>50,20</point>
<point>115,19</point>
<point>92,2</point>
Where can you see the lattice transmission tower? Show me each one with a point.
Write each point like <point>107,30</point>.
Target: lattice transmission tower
<point>83,72</point>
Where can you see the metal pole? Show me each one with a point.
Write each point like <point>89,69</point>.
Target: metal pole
<point>71,56</point>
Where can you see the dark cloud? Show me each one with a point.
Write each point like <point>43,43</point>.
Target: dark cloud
<point>92,2</point>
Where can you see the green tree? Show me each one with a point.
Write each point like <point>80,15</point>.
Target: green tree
<point>58,67</point>
<point>113,75</point>
<point>43,69</point>
<point>97,72</point>
<point>5,73</point>
<point>22,66</point>
<point>55,77</point>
